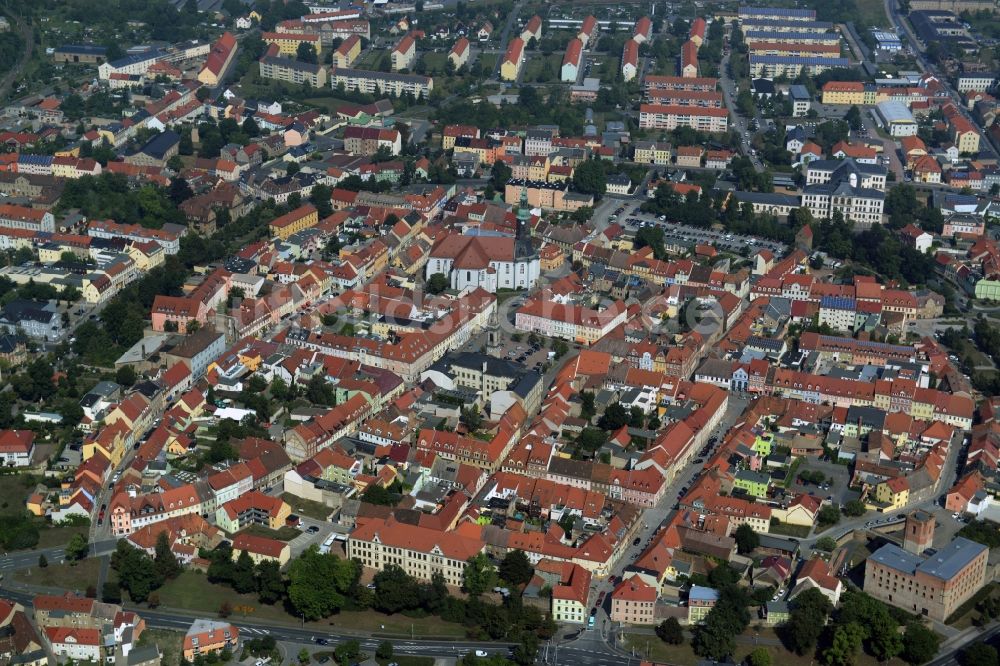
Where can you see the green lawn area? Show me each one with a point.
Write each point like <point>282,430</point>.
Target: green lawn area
<point>14,489</point>
<point>282,534</point>
<point>169,642</point>
<point>542,69</point>
<point>651,647</point>
<point>489,61</point>
<point>308,508</point>
<point>784,529</point>
<point>434,61</point>
<point>77,576</point>
<point>50,537</point>
<point>870,13</point>
<point>192,591</point>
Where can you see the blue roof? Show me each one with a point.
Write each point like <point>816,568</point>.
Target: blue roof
<point>700,593</point>
<point>837,303</point>
<point>944,564</point>
<point>134,58</point>
<point>41,160</point>
<point>794,25</point>
<point>158,146</point>
<point>89,49</point>
<point>778,11</point>
<point>765,35</point>
<point>799,60</point>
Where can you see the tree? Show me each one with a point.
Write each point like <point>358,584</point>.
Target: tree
<point>125,376</point>
<point>587,409</point>
<point>167,566</point>
<point>589,178</point>
<point>614,417</point>
<point>437,283</point>
<point>43,561</point>
<point>828,515</point>
<point>111,593</point>
<point>746,539</point>
<point>854,508</point>
<point>805,624</point>
<point>346,652</point>
<point>826,543</point>
<point>479,575</point>
<point>844,646</point>
<point>243,580</point>
<point>136,571</point>
<point>920,644</point>
<point>305,53</point>
<point>515,568</point>
<point>304,652</point>
<point>978,654</point>
<point>395,590</point>
<point>759,657</point>
<point>384,650</point>
<point>669,631</point>
<point>471,417</point>
<point>270,585</point>
<point>318,583</point>
<point>76,548</point>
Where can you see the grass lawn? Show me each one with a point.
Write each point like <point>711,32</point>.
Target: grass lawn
<point>370,59</point>
<point>489,61</point>
<point>169,642</point>
<point>434,61</point>
<point>192,591</point>
<point>14,490</point>
<point>50,537</point>
<point>75,576</point>
<point>653,648</point>
<point>542,69</point>
<point>282,534</point>
<point>308,508</point>
<point>407,660</point>
<point>870,13</point>
<point>784,529</point>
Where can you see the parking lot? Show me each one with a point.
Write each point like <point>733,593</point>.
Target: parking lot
<point>838,492</point>
<point>681,234</point>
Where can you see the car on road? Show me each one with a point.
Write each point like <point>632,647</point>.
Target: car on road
<point>312,529</point>
<point>636,541</point>
<point>322,641</point>
<point>698,461</point>
<point>481,653</point>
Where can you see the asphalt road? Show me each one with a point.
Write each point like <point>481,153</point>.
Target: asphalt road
<point>10,562</point>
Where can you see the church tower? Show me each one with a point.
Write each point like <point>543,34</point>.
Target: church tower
<point>494,347</point>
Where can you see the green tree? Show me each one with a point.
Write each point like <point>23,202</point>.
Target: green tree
<point>305,53</point>
<point>347,652</point>
<point>384,650</point>
<point>125,376</point>
<point>43,561</point>
<point>805,624</point>
<point>471,417</point>
<point>920,644</point>
<point>828,515</point>
<point>826,543</point>
<point>243,580</point>
<point>669,631</point>
<point>270,585</point>
<point>516,569</point>
<point>978,654</point>
<point>614,417</point>
<point>746,539</point>
<point>76,548</point>
<point>318,583</point>
<point>304,657</point>
<point>854,508</point>
<point>844,646</point>
<point>166,564</point>
<point>587,409</point>
<point>437,283</point>
<point>759,657</point>
<point>395,590</point>
<point>479,575</point>
<point>136,571</point>
<point>589,177</point>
